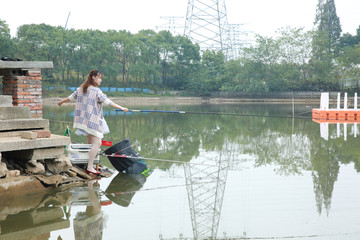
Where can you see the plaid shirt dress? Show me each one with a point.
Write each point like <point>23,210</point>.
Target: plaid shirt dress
<point>88,115</point>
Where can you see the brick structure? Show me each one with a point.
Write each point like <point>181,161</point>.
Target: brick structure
<point>22,80</point>
<point>26,90</point>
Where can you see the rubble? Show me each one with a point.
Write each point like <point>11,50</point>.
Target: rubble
<point>31,158</point>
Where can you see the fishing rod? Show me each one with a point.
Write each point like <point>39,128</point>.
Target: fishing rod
<point>212,113</point>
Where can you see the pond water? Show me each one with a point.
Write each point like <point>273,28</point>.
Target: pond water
<point>256,174</point>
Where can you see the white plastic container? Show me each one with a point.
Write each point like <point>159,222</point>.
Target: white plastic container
<point>79,153</point>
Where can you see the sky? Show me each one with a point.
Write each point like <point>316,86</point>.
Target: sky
<point>262,17</point>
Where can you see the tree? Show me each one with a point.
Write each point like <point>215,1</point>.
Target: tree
<point>165,42</point>
<point>7,46</point>
<point>147,65</point>
<point>211,73</point>
<point>348,40</point>
<point>185,59</point>
<point>349,62</point>
<point>327,24</point>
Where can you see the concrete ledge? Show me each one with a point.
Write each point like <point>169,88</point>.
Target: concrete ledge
<point>14,112</point>
<point>23,124</point>
<point>18,143</point>
<point>36,154</point>
<point>26,64</point>
<point>5,101</point>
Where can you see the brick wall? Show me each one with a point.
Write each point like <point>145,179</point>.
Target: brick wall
<point>25,87</point>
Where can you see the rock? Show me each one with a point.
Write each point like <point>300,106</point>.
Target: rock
<point>31,163</point>
<point>3,169</point>
<point>29,135</point>
<point>34,167</point>
<point>59,165</point>
<point>13,173</point>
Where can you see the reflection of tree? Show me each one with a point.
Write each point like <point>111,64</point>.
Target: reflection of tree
<point>291,146</point>
<point>325,169</point>
<point>290,153</point>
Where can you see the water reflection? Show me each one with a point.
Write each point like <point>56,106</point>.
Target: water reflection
<point>281,148</point>
<point>324,130</point>
<point>205,184</point>
<point>123,188</point>
<point>89,224</point>
<point>33,215</point>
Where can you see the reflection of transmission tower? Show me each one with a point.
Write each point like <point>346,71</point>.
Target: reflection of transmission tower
<point>206,24</point>
<point>205,187</point>
<point>171,24</point>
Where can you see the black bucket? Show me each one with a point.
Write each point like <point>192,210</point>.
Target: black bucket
<point>122,148</point>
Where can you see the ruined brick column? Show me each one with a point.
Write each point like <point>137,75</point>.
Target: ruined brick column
<point>22,80</point>
<point>25,87</point>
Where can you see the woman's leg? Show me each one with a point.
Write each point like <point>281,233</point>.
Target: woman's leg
<point>96,142</point>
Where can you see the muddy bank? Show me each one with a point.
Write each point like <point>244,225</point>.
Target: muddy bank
<point>153,101</point>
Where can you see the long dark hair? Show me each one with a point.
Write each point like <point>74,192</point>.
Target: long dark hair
<point>90,81</point>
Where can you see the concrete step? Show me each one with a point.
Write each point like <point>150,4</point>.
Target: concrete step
<point>13,112</point>
<point>23,124</point>
<point>18,143</point>
<point>6,100</point>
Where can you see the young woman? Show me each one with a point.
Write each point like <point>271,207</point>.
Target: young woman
<point>88,115</point>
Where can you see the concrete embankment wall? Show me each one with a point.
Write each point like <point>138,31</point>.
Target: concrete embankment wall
<point>279,95</point>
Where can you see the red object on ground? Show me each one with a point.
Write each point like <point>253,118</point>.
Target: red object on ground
<point>106,143</point>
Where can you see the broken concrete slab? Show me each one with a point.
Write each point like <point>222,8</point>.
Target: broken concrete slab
<point>23,124</point>
<point>18,143</point>
<point>14,112</point>
<point>26,64</point>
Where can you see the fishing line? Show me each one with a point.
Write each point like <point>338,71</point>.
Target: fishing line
<point>161,160</point>
<point>118,194</point>
<point>155,188</point>
<point>216,113</point>
<point>207,113</point>
<point>294,237</point>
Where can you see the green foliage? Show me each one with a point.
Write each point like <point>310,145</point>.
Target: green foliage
<point>294,60</point>
<point>328,28</point>
<point>7,46</point>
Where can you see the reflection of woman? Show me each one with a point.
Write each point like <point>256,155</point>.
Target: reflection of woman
<point>89,225</point>
<point>88,116</point>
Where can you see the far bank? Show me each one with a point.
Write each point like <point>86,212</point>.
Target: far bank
<point>309,98</point>
<point>153,101</point>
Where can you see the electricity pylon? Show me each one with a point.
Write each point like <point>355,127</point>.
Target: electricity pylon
<point>171,24</point>
<point>206,23</point>
<point>239,38</point>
